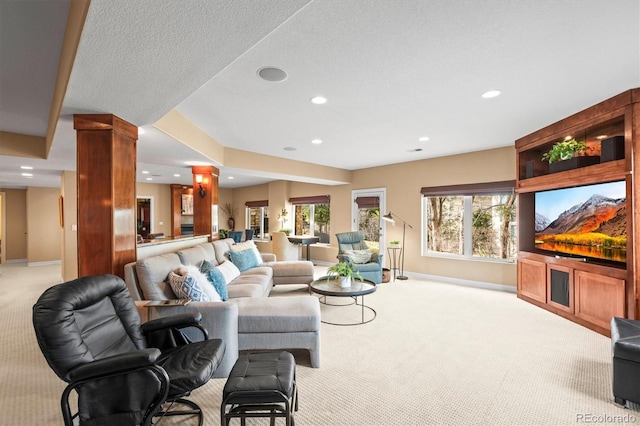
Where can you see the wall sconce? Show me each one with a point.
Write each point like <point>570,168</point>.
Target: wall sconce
<point>202,192</point>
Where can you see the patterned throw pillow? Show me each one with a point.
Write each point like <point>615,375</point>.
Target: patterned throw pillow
<point>187,287</point>
<point>245,259</point>
<point>359,256</point>
<point>216,278</point>
<point>187,282</point>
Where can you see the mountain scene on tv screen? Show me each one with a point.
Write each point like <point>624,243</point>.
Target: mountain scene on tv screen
<point>596,228</point>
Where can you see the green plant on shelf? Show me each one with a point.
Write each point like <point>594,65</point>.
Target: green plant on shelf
<point>564,150</point>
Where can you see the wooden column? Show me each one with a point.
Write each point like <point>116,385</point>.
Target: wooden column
<point>106,179</point>
<point>205,201</point>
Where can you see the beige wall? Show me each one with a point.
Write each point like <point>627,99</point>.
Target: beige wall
<point>16,211</point>
<point>161,205</point>
<point>403,183</point>
<point>44,236</point>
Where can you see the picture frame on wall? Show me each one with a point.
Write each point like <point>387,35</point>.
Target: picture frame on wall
<point>187,204</point>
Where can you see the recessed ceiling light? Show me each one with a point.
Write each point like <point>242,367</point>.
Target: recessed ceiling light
<point>568,138</point>
<point>289,148</point>
<point>26,167</point>
<point>176,175</point>
<point>145,172</point>
<point>316,141</point>
<point>149,178</point>
<point>600,137</point>
<point>491,94</point>
<point>318,100</point>
<point>423,138</point>
<point>27,175</point>
<point>230,177</point>
<point>272,74</point>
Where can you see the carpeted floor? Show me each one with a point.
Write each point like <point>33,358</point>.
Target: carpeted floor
<point>437,354</point>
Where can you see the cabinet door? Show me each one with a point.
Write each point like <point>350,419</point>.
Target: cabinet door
<point>598,298</point>
<point>560,287</point>
<point>532,278</point>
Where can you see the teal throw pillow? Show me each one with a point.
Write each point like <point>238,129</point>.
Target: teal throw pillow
<point>205,266</point>
<point>245,259</point>
<point>217,280</point>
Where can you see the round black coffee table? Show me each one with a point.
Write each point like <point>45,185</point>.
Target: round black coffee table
<point>331,287</point>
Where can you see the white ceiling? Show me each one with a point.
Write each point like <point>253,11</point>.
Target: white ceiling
<point>392,71</point>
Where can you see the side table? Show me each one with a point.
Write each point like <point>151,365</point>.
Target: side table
<point>394,256</point>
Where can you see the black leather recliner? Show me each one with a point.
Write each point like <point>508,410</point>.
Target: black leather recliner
<point>123,372</point>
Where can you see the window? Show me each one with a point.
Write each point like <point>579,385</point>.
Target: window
<point>258,218</point>
<point>312,216</point>
<point>473,221</point>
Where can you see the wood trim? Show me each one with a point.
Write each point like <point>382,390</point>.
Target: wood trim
<point>532,276</point>
<point>317,199</point>
<point>484,188</point>
<point>598,298</point>
<point>569,272</point>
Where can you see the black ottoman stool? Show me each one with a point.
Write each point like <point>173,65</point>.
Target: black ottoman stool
<point>261,385</point>
<point>625,345</point>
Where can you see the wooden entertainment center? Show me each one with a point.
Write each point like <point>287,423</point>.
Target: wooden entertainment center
<point>583,290</point>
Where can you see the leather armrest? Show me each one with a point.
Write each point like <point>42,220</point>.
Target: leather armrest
<point>115,364</point>
<point>187,319</point>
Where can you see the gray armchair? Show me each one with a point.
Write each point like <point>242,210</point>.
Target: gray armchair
<point>371,270</point>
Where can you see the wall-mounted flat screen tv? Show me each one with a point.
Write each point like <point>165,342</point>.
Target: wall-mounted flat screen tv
<point>585,221</point>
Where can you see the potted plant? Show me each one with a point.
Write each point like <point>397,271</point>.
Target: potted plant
<point>562,156</point>
<point>282,216</point>
<point>230,211</point>
<point>344,273</point>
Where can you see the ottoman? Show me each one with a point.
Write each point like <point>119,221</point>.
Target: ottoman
<point>280,323</point>
<point>292,272</point>
<point>261,385</point>
<point>625,346</point>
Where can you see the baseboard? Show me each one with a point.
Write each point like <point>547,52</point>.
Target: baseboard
<point>465,283</point>
<point>16,261</point>
<point>48,262</point>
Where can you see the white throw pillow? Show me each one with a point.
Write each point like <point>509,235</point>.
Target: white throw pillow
<point>229,271</point>
<point>359,256</point>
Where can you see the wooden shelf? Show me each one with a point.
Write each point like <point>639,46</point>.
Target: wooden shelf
<point>603,172</point>
<point>598,289</point>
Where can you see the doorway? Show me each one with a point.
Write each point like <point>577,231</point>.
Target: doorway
<point>144,215</point>
<point>368,208</point>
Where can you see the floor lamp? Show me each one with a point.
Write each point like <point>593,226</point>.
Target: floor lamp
<point>390,217</point>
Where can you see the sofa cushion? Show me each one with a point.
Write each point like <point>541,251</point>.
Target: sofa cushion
<point>222,247</point>
<point>250,289</point>
<point>192,255</point>
<point>152,276</point>
<point>244,259</point>
<point>209,253</point>
<point>278,314</point>
<point>260,270</point>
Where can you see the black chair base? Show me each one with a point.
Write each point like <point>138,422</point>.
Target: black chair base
<point>625,344</point>
<point>261,385</point>
<point>194,410</point>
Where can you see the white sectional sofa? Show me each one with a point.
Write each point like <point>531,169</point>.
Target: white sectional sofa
<point>249,319</point>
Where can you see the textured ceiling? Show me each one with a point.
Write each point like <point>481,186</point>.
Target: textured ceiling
<point>392,71</point>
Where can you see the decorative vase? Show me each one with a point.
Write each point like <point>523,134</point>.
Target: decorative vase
<point>344,281</point>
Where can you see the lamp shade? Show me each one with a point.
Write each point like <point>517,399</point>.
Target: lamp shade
<point>388,217</point>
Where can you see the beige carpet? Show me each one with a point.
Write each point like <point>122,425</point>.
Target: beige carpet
<point>437,354</point>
